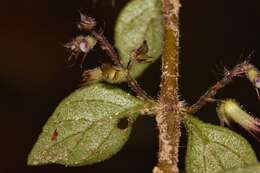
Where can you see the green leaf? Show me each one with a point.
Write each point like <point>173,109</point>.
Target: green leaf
<point>248,169</point>
<point>84,127</point>
<point>140,20</point>
<point>212,148</point>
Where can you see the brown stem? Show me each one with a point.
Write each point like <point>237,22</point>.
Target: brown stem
<point>229,76</point>
<point>169,108</point>
<point>106,46</point>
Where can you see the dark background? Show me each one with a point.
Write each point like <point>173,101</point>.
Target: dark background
<point>34,75</point>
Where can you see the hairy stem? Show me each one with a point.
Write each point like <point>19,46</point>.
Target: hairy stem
<point>106,46</point>
<point>169,108</point>
<point>229,76</point>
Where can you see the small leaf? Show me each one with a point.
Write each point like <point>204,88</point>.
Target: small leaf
<point>139,21</point>
<point>84,127</point>
<point>248,169</point>
<point>212,149</point>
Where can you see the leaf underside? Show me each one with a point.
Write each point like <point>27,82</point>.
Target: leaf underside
<point>140,20</point>
<point>83,129</point>
<point>212,149</point>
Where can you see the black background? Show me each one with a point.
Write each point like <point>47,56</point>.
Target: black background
<point>34,75</point>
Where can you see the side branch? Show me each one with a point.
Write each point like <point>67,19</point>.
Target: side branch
<point>88,25</point>
<point>237,71</point>
<point>108,48</point>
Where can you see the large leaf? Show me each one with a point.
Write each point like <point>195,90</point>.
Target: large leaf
<point>140,20</point>
<point>84,127</point>
<point>212,148</point>
<point>248,169</point>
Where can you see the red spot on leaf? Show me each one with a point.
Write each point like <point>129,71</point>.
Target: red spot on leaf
<point>54,135</point>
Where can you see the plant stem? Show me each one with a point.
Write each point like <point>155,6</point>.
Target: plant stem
<point>169,109</point>
<point>229,76</point>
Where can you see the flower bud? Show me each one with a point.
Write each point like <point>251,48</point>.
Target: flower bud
<point>113,74</point>
<point>106,72</point>
<point>229,110</point>
<point>253,75</point>
<point>81,44</point>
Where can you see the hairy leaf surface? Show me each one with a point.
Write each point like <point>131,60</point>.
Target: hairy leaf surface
<point>212,149</point>
<point>84,127</point>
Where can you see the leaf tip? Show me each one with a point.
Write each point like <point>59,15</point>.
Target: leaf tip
<point>31,161</point>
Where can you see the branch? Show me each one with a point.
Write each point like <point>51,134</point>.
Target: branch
<point>108,48</point>
<point>88,24</point>
<point>237,71</point>
<point>169,108</point>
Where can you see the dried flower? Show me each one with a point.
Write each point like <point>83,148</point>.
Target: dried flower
<point>86,23</point>
<point>140,55</point>
<point>229,110</point>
